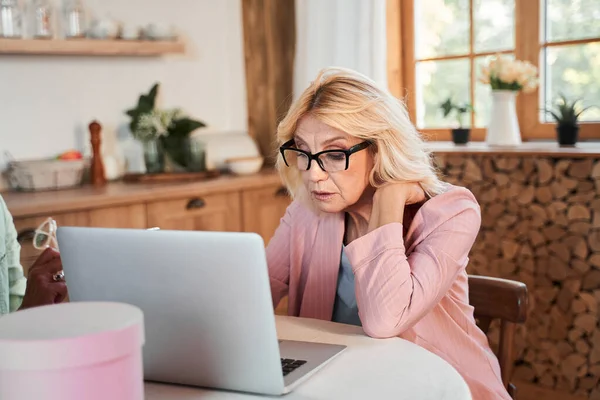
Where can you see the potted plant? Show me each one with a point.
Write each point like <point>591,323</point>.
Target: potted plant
<point>566,116</point>
<point>460,135</point>
<point>164,131</point>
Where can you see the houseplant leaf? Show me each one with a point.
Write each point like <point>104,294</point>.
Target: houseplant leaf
<point>182,127</point>
<point>446,107</point>
<point>176,142</point>
<point>146,103</point>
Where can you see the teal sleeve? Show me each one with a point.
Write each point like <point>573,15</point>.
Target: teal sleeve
<point>12,280</point>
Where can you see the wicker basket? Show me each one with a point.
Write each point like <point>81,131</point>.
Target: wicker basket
<point>45,174</point>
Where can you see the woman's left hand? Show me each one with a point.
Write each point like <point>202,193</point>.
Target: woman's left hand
<point>409,193</point>
<point>389,202</point>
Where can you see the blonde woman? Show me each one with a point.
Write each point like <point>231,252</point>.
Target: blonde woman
<point>373,237</point>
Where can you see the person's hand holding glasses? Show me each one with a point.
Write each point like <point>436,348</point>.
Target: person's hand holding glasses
<point>45,235</point>
<point>44,238</point>
<point>45,281</point>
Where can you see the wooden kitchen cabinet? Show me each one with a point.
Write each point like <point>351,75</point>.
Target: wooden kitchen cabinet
<point>67,219</point>
<point>130,216</point>
<point>214,212</point>
<point>263,208</point>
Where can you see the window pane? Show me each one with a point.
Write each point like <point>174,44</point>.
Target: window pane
<point>575,72</point>
<point>494,25</point>
<point>483,95</point>
<point>572,19</point>
<point>436,81</point>
<point>441,28</point>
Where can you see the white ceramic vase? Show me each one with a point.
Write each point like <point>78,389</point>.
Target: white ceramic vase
<point>503,126</point>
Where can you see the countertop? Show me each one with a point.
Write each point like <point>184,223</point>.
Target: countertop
<point>85,197</point>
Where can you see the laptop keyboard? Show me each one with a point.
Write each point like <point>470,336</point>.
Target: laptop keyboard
<point>288,365</point>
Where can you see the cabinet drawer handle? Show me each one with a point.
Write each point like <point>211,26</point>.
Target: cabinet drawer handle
<point>25,234</point>
<point>195,203</point>
<point>281,192</point>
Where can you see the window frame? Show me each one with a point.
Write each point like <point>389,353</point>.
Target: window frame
<point>401,68</point>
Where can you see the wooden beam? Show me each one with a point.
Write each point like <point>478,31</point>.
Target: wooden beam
<point>269,48</point>
<point>408,56</point>
<point>462,56</point>
<point>393,22</point>
<point>572,42</point>
<point>472,71</point>
<point>527,38</point>
<point>281,43</point>
<point>255,55</point>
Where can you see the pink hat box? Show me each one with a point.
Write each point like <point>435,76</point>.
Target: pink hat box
<point>72,351</point>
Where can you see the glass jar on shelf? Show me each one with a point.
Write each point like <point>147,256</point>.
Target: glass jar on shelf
<point>75,23</point>
<point>10,19</point>
<point>43,24</point>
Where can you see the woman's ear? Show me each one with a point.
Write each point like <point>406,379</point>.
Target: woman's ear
<point>374,160</point>
<point>372,149</point>
<point>374,177</point>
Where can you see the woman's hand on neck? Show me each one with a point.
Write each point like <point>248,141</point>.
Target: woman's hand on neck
<point>389,202</point>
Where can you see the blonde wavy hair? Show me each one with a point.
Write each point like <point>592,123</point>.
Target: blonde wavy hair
<point>351,102</point>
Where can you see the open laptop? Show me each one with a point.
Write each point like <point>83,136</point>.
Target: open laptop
<point>207,305</point>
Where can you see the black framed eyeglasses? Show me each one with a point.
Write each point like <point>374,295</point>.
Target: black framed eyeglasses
<point>328,160</point>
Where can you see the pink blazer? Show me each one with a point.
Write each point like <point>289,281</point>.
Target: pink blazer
<point>414,288</point>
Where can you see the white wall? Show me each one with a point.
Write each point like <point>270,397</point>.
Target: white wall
<point>47,102</point>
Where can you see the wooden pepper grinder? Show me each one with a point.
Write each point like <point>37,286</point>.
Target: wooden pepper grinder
<point>98,177</point>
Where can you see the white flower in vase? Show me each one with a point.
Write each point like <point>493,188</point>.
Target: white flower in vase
<point>155,124</point>
<point>503,73</point>
<point>506,78</point>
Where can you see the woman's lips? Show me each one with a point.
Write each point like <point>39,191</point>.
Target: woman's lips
<point>322,196</point>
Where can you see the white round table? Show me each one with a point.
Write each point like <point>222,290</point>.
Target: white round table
<point>368,369</point>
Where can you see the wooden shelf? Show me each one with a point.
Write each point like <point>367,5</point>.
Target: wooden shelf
<point>90,47</point>
<point>540,149</point>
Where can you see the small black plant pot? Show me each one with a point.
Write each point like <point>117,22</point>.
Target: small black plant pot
<point>567,134</point>
<point>461,135</point>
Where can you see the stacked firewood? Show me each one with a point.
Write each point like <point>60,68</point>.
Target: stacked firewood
<point>541,226</point>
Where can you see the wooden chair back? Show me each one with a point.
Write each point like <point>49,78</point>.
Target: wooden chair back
<point>506,300</point>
